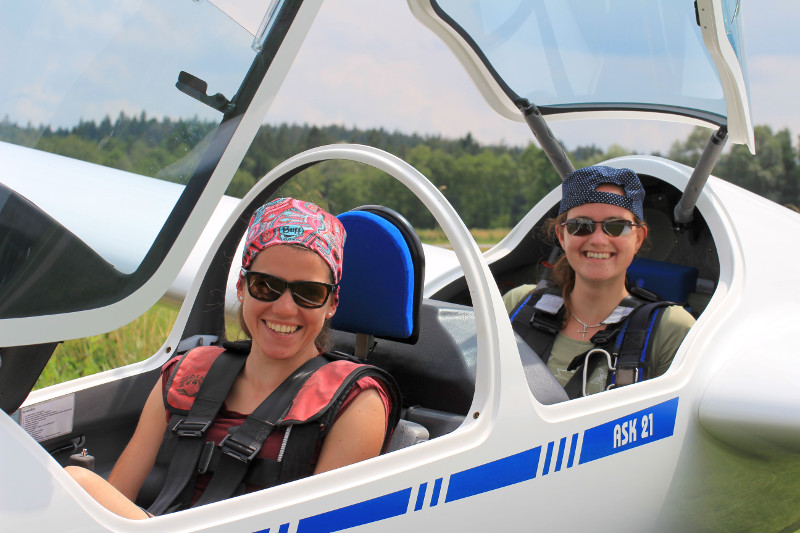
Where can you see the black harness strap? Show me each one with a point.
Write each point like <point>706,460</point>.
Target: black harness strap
<point>631,363</point>
<point>305,437</point>
<point>241,444</point>
<point>536,327</point>
<point>302,439</point>
<point>262,472</point>
<point>188,431</point>
<point>232,464</point>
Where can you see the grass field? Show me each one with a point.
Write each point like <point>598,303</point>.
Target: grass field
<point>484,237</point>
<point>133,342</point>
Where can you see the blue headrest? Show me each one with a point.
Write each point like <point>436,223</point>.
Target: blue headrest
<point>376,294</point>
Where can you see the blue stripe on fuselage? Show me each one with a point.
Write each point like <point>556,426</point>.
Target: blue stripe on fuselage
<point>358,514</point>
<point>627,432</point>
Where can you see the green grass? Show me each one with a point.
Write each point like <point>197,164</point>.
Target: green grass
<point>484,237</point>
<point>133,342</point>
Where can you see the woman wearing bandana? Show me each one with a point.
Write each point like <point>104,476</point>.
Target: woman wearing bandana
<point>600,227</point>
<point>291,265</point>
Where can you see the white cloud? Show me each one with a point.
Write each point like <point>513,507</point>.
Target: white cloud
<point>371,64</point>
<point>352,71</point>
<point>774,99</point>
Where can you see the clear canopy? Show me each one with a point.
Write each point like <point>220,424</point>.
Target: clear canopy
<point>103,155</point>
<point>594,55</point>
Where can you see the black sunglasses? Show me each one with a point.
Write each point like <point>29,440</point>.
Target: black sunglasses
<point>268,288</point>
<point>614,227</point>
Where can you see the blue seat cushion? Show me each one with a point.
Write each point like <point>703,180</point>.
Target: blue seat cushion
<point>376,291</point>
<point>670,281</point>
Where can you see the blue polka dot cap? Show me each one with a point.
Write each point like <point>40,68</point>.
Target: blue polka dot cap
<point>580,188</point>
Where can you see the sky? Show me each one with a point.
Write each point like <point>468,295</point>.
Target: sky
<point>365,64</point>
<point>351,71</point>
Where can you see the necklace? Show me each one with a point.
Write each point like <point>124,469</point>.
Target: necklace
<point>586,326</point>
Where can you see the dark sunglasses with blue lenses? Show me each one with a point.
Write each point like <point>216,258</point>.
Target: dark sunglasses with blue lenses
<point>614,227</point>
<point>268,288</point>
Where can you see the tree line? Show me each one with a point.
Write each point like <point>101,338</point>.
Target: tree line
<point>491,186</point>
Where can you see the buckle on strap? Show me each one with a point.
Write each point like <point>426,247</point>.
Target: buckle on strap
<point>237,450</point>
<point>190,428</point>
<point>206,456</point>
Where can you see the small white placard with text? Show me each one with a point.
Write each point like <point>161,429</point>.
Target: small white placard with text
<point>49,419</point>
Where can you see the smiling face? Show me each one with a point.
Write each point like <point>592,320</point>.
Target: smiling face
<point>282,330</point>
<point>598,257</point>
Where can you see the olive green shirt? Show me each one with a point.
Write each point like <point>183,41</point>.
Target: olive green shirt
<point>673,326</point>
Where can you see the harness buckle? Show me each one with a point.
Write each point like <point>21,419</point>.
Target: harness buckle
<point>206,455</point>
<point>237,450</point>
<point>191,428</point>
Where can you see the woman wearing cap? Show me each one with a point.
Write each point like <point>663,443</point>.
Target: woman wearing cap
<point>600,227</point>
<point>291,265</point>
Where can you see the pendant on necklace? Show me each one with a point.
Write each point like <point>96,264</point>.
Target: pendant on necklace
<point>586,326</point>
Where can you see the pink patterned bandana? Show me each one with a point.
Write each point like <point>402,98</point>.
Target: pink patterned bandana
<point>290,221</point>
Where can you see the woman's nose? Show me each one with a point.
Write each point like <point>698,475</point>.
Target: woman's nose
<point>598,234</point>
<point>285,301</point>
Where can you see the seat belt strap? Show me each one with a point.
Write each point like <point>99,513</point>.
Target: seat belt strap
<point>303,439</point>
<point>242,444</point>
<point>631,362</point>
<point>536,327</point>
<point>263,472</point>
<point>613,332</point>
<point>188,432</point>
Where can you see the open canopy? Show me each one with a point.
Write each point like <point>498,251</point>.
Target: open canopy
<point>663,59</point>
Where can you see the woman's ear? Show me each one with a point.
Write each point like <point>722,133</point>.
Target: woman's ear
<point>641,235</point>
<point>334,303</point>
<point>560,235</point>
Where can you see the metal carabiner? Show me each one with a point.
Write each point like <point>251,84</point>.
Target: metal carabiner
<point>611,368</point>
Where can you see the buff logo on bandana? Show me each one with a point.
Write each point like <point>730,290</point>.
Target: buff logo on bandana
<point>290,221</point>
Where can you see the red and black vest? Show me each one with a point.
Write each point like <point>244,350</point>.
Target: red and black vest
<point>278,442</point>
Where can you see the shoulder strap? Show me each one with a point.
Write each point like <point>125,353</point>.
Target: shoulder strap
<point>303,437</point>
<point>302,441</point>
<point>184,437</point>
<point>241,444</point>
<point>634,353</point>
<point>537,319</point>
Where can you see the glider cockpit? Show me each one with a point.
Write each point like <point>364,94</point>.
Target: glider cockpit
<point>116,233</point>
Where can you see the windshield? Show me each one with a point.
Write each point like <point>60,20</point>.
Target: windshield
<point>573,54</point>
<point>103,156</point>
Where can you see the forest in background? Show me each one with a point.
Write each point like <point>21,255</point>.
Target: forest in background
<point>491,186</point>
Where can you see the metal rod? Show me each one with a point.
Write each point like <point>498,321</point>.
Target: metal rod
<point>544,135</point>
<point>709,157</point>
